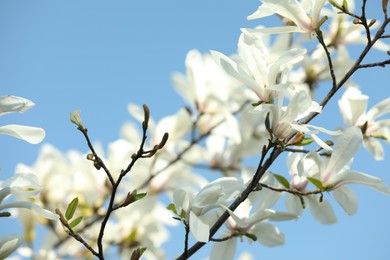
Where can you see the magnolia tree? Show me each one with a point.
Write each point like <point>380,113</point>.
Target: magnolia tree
<point>243,112</point>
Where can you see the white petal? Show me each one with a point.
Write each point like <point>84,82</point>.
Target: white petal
<point>294,204</point>
<point>347,199</point>
<point>272,30</point>
<point>379,109</point>
<point>198,229</point>
<point>345,148</point>
<point>224,250</point>
<point>321,211</point>
<point>268,234</point>
<point>33,135</point>
<point>375,183</point>
<point>375,148</point>
<point>8,244</point>
<point>10,104</point>
<point>28,205</point>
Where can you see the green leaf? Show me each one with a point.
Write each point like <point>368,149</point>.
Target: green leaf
<point>305,141</point>
<point>139,196</point>
<point>71,208</point>
<point>183,214</point>
<point>75,222</point>
<point>282,180</point>
<point>316,182</point>
<point>345,5</point>
<point>172,208</point>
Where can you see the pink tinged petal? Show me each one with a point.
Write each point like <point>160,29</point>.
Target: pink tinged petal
<point>33,135</point>
<point>10,104</point>
<point>349,177</point>
<point>375,148</point>
<point>346,146</point>
<point>268,235</point>
<point>8,244</point>
<point>198,228</point>
<point>321,211</point>
<point>224,250</point>
<point>379,109</point>
<point>347,199</point>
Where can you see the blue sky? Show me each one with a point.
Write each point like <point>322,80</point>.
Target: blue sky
<point>98,56</point>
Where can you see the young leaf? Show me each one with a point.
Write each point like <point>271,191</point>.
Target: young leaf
<point>305,141</point>
<point>71,208</point>
<point>139,196</point>
<point>172,208</point>
<point>75,222</point>
<point>316,182</point>
<point>282,180</point>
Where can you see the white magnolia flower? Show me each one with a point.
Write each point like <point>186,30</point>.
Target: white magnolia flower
<point>251,218</point>
<point>285,119</point>
<point>198,205</point>
<point>11,104</point>
<point>263,76</point>
<point>353,107</point>
<point>305,15</point>
<point>24,187</point>
<point>334,174</point>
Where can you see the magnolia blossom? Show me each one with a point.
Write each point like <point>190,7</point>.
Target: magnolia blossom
<point>306,15</point>
<point>11,104</point>
<point>198,206</point>
<point>243,221</point>
<point>285,119</point>
<point>212,93</point>
<point>25,187</point>
<point>353,107</point>
<point>265,78</point>
<point>334,174</point>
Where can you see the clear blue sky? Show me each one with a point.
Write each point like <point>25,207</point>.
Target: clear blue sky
<point>98,56</point>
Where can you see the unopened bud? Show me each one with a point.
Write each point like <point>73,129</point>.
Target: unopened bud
<point>90,157</point>
<point>372,22</point>
<point>356,21</point>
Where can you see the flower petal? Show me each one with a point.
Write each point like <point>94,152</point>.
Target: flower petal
<point>375,183</point>
<point>268,234</point>
<point>224,250</point>
<point>199,229</point>
<point>8,244</point>
<point>321,211</point>
<point>347,199</point>
<point>33,135</point>
<point>11,104</point>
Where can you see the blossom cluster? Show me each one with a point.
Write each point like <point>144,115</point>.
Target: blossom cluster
<point>256,103</point>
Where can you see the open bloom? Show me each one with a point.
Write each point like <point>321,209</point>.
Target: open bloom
<point>11,104</point>
<point>264,77</point>
<point>197,206</point>
<point>24,187</point>
<point>353,106</point>
<point>250,219</point>
<point>285,119</point>
<point>334,174</point>
<point>305,15</point>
